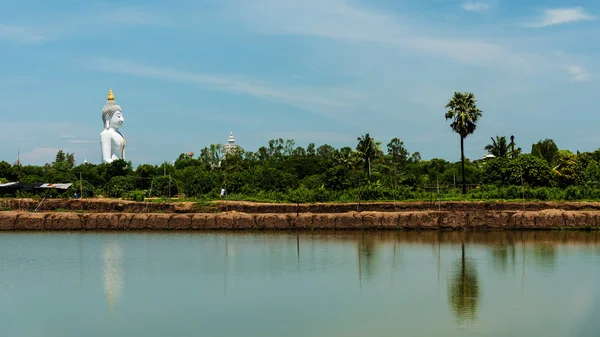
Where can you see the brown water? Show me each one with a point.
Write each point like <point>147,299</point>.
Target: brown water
<point>300,284</point>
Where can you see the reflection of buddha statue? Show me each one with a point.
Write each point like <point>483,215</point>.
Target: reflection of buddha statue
<point>113,142</point>
<point>113,272</point>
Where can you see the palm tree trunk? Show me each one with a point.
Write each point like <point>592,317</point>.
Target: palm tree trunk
<point>395,175</point>
<point>462,163</point>
<point>463,255</point>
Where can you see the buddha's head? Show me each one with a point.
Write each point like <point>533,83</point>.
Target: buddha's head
<point>112,116</point>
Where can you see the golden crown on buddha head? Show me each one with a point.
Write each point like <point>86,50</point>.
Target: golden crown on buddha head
<point>110,107</point>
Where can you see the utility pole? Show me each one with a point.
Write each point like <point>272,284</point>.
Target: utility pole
<point>226,205</point>
<point>80,186</point>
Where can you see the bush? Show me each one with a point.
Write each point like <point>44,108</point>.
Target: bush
<point>137,195</point>
<point>573,193</point>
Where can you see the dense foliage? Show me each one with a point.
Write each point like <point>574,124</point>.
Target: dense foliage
<point>284,172</point>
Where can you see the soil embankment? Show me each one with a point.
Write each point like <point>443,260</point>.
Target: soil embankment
<point>127,206</point>
<point>451,220</point>
<point>110,214</point>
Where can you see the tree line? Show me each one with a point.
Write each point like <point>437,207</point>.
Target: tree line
<point>282,171</point>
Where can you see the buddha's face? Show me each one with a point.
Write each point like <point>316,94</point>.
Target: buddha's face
<point>116,121</point>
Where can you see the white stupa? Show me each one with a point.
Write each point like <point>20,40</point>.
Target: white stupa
<point>231,145</point>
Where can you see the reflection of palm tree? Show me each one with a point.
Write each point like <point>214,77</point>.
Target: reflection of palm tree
<point>463,292</point>
<point>367,249</point>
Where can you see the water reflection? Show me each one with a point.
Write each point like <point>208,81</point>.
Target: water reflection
<point>368,251</point>
<point>504,257</point>
<point>114,275</point>
<point>463,290</point>
<point>181,283</point>
<point>545,255</point>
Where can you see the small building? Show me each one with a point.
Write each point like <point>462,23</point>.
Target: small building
<point>11,188</point>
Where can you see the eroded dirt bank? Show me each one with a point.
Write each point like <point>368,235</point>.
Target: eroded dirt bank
<point>498,220</point>
<point>126,206</point>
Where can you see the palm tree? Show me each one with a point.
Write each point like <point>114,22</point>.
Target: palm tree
<point>498,148</point>
<point>368,149</point>
<point>464,114</point>
<point>514,153</point>
<point>346,157</point>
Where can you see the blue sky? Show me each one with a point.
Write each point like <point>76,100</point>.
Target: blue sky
<point>186,73</point>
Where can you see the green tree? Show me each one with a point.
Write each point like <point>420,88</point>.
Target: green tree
<point>499,147</point>
<point>591,175</point>
<point>566,168</point>
<point>117,168</point>
<point>464,114</point>
<point>545,149</point>
<point>6,171</point>
<point>514,152</point>
<point>369,150</point>
<point>399,155</point>
<point>528,170</point>
<point>211,156</point>
<point>415,157</point>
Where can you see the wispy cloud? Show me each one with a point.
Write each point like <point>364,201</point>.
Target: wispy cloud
<point>344,21</point>
<point>475,6</point>
<point>578,73</point>
<point>82,141</point>
<point>314,136</point>
<point>94,20</point>
<point>556,16</point>
<point>20,34</point>
<point>39,155</point>
<point>247,86</point>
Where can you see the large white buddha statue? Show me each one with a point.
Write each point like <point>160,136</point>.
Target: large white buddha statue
<point>113,142</point>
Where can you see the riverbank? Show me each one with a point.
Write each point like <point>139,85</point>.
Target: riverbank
<point>406,220</point>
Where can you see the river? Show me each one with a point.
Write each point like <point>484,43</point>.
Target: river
<point>330,284</point>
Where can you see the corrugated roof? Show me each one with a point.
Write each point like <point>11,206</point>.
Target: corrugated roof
<point>59,186</point>
<point>8,184</point>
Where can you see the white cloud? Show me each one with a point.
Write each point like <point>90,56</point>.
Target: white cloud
<point>556,16</point>
<point>39,155</point>
<point>475,6</point>
<point>316,137</point>
<point>95,20</point>
<point>20,34</point>
<point>344,21</point>
<point>82,141</point>
<point>578,73</point>
<point>303,98</point>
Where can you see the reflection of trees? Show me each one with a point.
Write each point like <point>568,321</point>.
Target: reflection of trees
<point>367,254</point>
<point>502,255</point>
<point>545,256</point>
<point>463,292</point>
